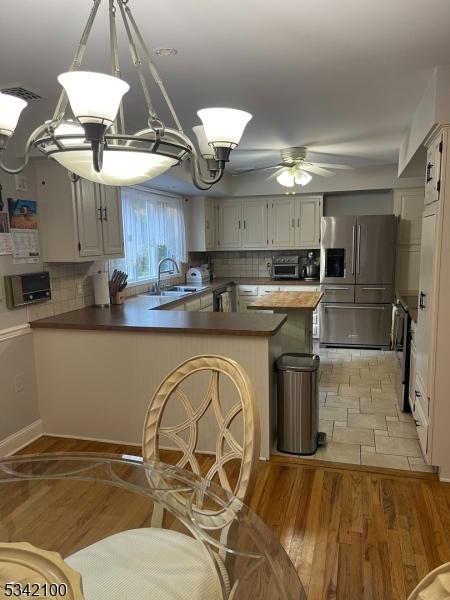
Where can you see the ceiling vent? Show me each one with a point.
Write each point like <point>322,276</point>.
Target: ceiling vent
<point>20,91</point>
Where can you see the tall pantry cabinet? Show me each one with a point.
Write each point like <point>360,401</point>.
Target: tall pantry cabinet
<point>431,406</point>
<point>78,221</point>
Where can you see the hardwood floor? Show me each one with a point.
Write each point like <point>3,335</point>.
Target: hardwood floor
<point>351,534</point>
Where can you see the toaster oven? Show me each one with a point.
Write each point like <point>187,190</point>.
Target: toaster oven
<point>285,267</point>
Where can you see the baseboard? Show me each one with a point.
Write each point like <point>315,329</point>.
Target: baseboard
<point>22,438</point>
<point>89,439</point>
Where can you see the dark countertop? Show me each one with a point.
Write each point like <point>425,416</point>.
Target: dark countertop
<point>135,315</point>
<point>409,299</point>
<point>146,313</point>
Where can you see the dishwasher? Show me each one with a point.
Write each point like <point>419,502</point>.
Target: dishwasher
<point>223,299</point>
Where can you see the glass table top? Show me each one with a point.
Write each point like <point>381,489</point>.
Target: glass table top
<point>66,503</point>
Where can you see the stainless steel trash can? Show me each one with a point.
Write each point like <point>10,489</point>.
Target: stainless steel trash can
<point>298,403</point>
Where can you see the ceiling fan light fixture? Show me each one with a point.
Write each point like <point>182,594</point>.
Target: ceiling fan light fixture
<point>286,178</point>
<point>302,177</point>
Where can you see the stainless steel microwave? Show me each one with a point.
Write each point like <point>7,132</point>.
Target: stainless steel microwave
<point>27,288</point>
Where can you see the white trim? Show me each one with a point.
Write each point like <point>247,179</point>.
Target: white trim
<point>12,332</point>
<point>20,439</point>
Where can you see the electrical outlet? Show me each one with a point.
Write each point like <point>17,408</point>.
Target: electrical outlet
<point>18,383</point>
<point>21,183</point>
<point>79,289</point>
<point>268,264</point>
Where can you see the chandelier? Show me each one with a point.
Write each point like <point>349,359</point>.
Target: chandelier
<point>293,175</point>
<point>94,144</point>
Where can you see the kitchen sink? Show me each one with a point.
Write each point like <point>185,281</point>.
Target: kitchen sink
<point>170,293</point>
<point>185,289</point>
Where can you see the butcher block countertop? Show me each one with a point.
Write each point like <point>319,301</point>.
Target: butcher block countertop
<point>288,300</point>
<point>136,316</point>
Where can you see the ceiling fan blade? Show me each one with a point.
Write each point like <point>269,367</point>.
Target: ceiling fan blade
<point>245,171</point>
<point>317,170</point>
<point>331,166</point>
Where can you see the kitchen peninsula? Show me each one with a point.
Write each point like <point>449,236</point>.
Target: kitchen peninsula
<point>97,369</point>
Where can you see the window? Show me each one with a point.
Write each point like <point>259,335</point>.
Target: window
<point>153,228</point>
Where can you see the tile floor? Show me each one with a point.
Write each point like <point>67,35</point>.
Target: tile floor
<point>359,411</point>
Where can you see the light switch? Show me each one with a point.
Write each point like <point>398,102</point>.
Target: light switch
<point>21,183</point>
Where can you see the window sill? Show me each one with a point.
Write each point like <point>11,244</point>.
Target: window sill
<point>152,280</point>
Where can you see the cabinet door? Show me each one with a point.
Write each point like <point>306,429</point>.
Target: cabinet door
<point>408,206</point>
<point>282,223</point>
<point>230,224</point>
<point>210,224</point>
<point>433,171</point>
<point>307,221</point>
<point>425,300</point>
<point>89,218</point>
<point>254,224</point>
<point>112,220</point>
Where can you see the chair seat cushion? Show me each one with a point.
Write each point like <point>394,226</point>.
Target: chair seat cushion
<point>147,564</point>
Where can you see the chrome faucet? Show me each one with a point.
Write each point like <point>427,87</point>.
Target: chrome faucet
<point>161,262</point>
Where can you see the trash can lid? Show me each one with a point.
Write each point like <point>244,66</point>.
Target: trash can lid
<point>298,362</point>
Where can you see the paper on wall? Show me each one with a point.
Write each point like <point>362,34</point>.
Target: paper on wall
<point>24,230</point>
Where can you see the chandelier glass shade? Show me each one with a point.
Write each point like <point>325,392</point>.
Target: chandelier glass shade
<point>10,109</point>
<point>293,175</point>
<point>91,141</point>
<point>93,97</point>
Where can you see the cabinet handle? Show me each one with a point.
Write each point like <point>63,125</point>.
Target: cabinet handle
<point>99,211</point>
<point>429,167</point>
<point>417,422</point>
<point>245,224</point>
<point>293,223</point>
<point>298,222</point>
<point>239,224</point>
<point>421,302</point>
<point>105,214</point>
<point>207,224</point>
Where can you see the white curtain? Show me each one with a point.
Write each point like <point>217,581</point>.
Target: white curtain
<point>154,228</point>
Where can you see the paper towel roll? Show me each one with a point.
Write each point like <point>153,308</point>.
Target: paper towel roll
<point>101,289</point>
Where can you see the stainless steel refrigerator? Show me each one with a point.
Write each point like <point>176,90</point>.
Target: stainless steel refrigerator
<point>357,277</point>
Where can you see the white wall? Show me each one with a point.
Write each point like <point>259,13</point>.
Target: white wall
<point>17,409</point>
<point>358,203</point>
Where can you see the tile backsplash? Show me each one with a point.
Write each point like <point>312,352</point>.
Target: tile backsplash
<point>244,264</point>
<point>72,288</point>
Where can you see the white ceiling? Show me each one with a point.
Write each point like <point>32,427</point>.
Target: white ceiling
<point>340,76</point>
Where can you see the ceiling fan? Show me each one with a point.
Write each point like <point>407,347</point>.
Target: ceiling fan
<point>294,168</point>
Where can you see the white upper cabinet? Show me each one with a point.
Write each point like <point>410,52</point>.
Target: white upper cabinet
<point>295,222</point>
<point>89,218</point>
<point>112,228</point>
<point>433,171</point>
<point>230,224</point>
<point>201,223</point>
<point>254,224</point>
<point>282,223</point>
<point>308,212</point>
<point>77,221</point>
<point>210,224</point>
<point>408,206</point>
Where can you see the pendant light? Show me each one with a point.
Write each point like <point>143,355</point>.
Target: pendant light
<point>95,144</point>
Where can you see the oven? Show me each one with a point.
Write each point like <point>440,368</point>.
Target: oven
<point>285,267</point>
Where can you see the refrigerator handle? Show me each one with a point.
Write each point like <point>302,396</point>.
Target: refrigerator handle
<point>353,249</point>
<point>358,252</point>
